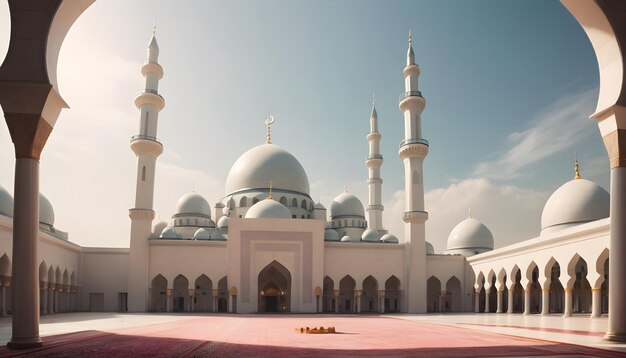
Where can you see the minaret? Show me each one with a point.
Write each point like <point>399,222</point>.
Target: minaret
<point>413,150</point>
<point>374,182</point>
<point>147,148</point>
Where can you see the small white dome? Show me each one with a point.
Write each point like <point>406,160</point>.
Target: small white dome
<point>430,250</point>
<point>331,235</point>
<point>263,164</point>
<point>577,201</point>
<point>158,228</point>
<point>370,235</point>
<point>346,204</point>
<point>347,238</point>
<point>202,234</point>
<point>218,236</point>
<point>390,239</point>
<point>319,206</point>
<point>470,234</point>
<point>269,209</point>
<point>46,212</point>
<point>169,233</point>
<point>193,204</point>
<point>222,223</point>
<point>6,203</point>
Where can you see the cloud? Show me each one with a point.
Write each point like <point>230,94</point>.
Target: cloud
<point>556,128</point>
<point>511,213</point>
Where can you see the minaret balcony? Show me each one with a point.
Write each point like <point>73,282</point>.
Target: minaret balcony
<point>416,216</point>
<point>415,147</point>
<point>412,100</point>
<point>149,96</point>
<point>410,94</point>
<point>374,160</point>
<point>143,144</point>
<point>375,156</point>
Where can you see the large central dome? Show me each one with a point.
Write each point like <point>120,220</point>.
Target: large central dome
<point>267,163</point>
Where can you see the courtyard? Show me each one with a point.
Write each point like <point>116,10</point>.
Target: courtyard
<point>277,335</point>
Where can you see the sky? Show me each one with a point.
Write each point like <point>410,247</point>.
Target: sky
<point>509,88</point>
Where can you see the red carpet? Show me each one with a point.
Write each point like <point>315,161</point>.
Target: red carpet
<point>275,336</point>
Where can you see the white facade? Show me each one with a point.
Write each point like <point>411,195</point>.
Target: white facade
<point>267,247</point>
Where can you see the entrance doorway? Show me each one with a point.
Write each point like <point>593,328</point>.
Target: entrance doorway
<point>274,285</point>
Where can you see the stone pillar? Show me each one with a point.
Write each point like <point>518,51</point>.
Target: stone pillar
<point>216,294</point>
<point>527,301</point>
<point>596,302</point>
<point>545,301</point>
<point>499,303</point>
<point>567,309</point>
<point>381,301</point>
<point>509,309</point>
<point>617,255</point>
<point>477,302</point>
<point>3,300</point>
<point>358,295</point>
<point>169,300</point>
<point>44,298</point>
<point>192,306</point>
<point>336,292</point>
<point>56,299</point>
<point>487,300</point>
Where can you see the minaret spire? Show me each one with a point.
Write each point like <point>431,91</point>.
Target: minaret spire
<point>373,162</point>
<point>576,168</point>
<point>413,150</point>
<point>147,149</point>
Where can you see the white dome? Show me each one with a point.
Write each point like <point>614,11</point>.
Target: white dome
<point>222,223</point>
<point>270,209</point>
<point>202,234</point>
<point>577,201</point>
<point>430,250</point>
<point>370,235</point>
<point>218,236</point>
<point>193,204</point>
<point>267,163</point>
<point>157,229</point>
<point>46,212</point>
<point>346,204</point>
<point>6,203</point>
<point>388,238</point>
<point>331,235</point>
<point>169,233</point>
<point>347,238</point>
<point>470,234</point>
<point>319,206</point>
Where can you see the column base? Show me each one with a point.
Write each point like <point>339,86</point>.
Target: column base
<point>24,343</point>
<point>615,336</point>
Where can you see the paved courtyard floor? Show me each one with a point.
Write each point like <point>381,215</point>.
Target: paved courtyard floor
<point>200,335</point>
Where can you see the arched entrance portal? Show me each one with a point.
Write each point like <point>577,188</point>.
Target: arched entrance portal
<point>274,288</point>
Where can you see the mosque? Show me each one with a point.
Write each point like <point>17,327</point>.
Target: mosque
<point>266,246</point>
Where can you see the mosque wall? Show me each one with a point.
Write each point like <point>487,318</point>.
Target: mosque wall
<point>104,279</point>
<point>189,258</point>
<point>360,260</point>
<point>451,277</point>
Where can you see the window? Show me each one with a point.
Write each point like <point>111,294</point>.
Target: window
<point>303,205</point>
<point>294,203</point>
<point>293,216</point>
<point>146,124</point>
<point>243,202</point>
<point>143,173</point>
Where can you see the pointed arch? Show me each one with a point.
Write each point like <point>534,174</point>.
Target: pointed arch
<point>5,266</point>
<point>581,289</point>
<point>203,294</point>
<point>274,287</point>
<point>328,304</point>
<point>51,275</point>
<point>392,294</point>
<point>180,294</point>
<point>222,294</point>
<point>369,299</point>
<point>454,295</point>
<point>283,200</point>
<point>433,294</point>
<point>158,290</point>
<point>347,286</point>
<point>43,271</point>
<point>243,202</point>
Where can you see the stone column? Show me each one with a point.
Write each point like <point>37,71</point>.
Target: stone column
<point>216,293</point>
<point>477,302</point>
<point>381,306</point>
<point>44,298</point>
<point>567,309</point>
<point>527,301</point>
<point>487,300</point>
<point>499,303</point>
<point>336,301</point>
<point>3,300</point>
<point>617,255</point>
<point>509,309</point>
<point>357,299</point>
<point>169,300</point>
<point>545,301</point>
<point>192,306</point>
<point>596,302</point>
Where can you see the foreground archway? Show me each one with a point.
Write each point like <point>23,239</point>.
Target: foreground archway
<point>274,283</point>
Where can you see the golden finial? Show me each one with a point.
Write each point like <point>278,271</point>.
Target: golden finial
<point>268,122</point>
<point>154,28</point>
<point>410,37</point>
<point>469,213</point>
<point>576,172</point>
<point>270,194</point>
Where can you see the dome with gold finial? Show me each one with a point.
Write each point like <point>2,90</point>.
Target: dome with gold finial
<point>575,202</point>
